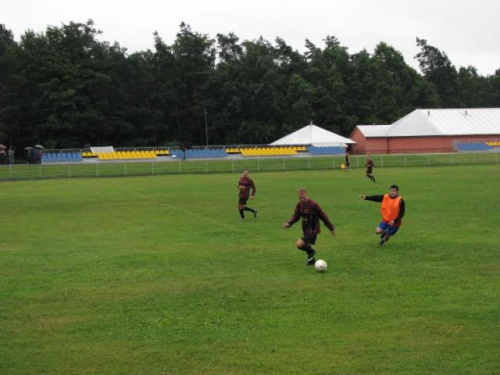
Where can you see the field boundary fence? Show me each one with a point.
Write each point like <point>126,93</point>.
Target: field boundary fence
<point>232,165</point>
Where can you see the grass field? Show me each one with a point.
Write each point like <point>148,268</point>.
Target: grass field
<point>157,275</point>
<point>232,165</point>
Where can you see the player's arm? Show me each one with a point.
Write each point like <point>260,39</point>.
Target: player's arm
<point>401,211</point>
<point>253,189</point>
<point>325,219</point>
<point>295,217</point>
<point>373,198</point>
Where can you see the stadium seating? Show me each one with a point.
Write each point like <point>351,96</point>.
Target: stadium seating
<point>493,144</point>
<point>326,150</point>
<point>48,157</point>
<point>162,152</point>
<point>268,151</point>
<point>126,155</point>
<point>202,153</point>
<point>473,146</point>
<point>199,154</point>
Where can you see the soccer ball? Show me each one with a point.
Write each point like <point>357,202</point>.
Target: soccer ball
<point>320,265</point>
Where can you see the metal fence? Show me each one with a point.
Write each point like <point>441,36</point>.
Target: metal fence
<point>169,166</point>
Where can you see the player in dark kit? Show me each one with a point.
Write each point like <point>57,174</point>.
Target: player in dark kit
<point>369,168</point>
<point>247,191</point>
<point>311,213</point>
<point>347,162</point>
<point>392,209</point>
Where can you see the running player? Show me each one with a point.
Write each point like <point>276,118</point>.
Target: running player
<point>311,213</point>
<point>392,210</point>
<point>247,191</point>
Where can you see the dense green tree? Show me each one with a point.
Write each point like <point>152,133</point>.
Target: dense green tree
<point>225,88</point>
<point>438,70</point>
<point>6,39</point>
<point>327,71</point>
<point>64,88</point>
<point>228,47</point>
<point>260,84</point>
<point>11,89</point>
<point>73,98</point>
<point>297,94</point>
<point>194,55</point>
<point>494,83</point>
<point>475,90</point>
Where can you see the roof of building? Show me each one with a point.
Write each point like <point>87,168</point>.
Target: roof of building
<point>439,122</point>
<point>313,135</point>
<point>435,122</point>
<point>374,130</point>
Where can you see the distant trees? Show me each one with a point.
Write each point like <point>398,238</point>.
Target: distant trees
<point>64,88</point>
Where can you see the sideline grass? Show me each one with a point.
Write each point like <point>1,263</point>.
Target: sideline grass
<point>209,166</point>
<point>156,275</point>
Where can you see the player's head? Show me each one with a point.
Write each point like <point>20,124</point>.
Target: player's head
<point>393,190</point>
<point>302,193</point>
<point>245,171</point>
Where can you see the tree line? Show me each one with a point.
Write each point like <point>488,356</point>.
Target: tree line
<point>64,88</point>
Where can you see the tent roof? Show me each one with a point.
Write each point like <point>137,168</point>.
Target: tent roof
<point>312,135</point>
<point>436,122</point>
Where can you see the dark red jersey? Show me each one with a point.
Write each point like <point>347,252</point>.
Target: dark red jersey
<point>248,187</point>
<point>369,166</point>
<point>310,213</point>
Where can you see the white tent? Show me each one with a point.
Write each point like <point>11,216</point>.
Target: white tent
<point>315,136</point>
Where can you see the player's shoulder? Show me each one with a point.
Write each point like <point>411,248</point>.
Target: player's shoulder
<point>312,202</point>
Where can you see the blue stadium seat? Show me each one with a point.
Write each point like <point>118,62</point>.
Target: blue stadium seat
<point>474,146</point>
<point>329,150</point>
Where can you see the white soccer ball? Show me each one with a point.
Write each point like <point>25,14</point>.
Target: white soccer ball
<point>320,265</point>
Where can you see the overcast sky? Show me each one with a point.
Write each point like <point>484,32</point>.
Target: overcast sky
<point>467,31</point>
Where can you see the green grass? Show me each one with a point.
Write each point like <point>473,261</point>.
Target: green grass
<point>156,275</point>
<point>209,166</point>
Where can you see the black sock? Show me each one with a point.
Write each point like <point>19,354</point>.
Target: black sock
<point>241,214</point>
<point>305,248</point>
<point>308,249</point>
<point>248,209</point>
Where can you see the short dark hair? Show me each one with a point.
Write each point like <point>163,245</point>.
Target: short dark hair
<point>394,187</point>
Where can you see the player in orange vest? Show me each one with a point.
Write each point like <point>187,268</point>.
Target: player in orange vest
<point>392,210</point>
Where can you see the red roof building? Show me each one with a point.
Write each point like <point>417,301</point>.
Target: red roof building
<point>428,131</point>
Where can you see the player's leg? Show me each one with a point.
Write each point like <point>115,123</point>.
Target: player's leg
<point>391,231</point>
<point>241,207</point>
<point>305,244</point>
<point>382,228</point>
<point>381,231</point>
<point>252,210</point>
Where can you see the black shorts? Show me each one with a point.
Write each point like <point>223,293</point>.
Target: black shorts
<point>243,201</point>
<point>309,240</point>
<point>369,170</point>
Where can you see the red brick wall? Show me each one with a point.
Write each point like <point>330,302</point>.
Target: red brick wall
<point>410,145</point>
